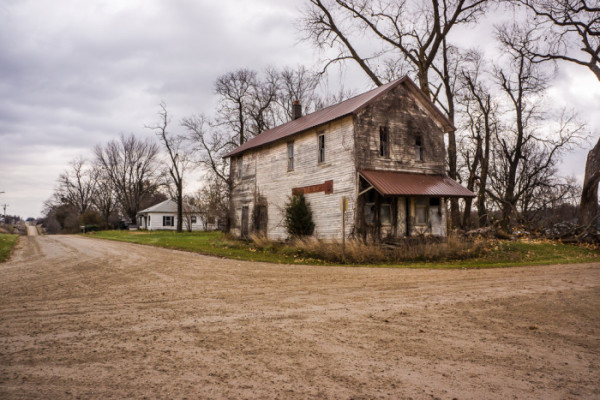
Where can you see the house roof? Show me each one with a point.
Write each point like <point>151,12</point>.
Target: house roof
<point>336,111</point>
<point>391,183</point>
<point>167,206</point>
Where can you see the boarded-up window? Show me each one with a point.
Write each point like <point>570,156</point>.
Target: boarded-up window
<point>321,147</point>
<point>384,142</point>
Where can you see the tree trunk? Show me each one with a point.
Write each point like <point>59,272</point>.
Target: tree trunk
<point>179,206</point>
<point>452,172</point>
<point>588,208</point>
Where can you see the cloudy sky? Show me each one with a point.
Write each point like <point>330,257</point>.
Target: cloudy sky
<point>77,73</point>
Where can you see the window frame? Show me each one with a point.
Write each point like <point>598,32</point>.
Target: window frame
<point>389,207</point>
<point>240,166</point>
<point>384,142</point>
<point>290,156</point>
<point>419,148</point>
<point>193,219</point>
<point>321,148</point>
<point>166,218</point>
<point>425,207</point>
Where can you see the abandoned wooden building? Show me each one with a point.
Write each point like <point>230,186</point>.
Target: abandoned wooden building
<point>383,151</point>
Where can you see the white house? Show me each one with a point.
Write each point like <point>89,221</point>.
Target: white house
<point>163,216</point>
<point>381,152</point>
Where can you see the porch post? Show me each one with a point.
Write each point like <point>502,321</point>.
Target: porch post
<point>407,205</point>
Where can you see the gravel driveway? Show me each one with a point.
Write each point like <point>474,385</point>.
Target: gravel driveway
<point>93,319</point>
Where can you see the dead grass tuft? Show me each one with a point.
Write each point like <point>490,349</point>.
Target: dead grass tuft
<point>414,249</point>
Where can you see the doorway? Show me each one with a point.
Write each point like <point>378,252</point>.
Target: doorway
<point>245,222</point>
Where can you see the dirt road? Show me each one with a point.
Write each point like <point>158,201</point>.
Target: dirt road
<point>92,319</point>
<point>31,230</point>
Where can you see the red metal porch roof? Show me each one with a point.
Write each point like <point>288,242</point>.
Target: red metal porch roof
<point>391,183</point>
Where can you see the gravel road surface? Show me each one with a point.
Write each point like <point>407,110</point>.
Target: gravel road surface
<point>84,318</point>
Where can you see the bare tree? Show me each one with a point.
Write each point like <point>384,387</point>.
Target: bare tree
<point>409,36</point>
<point>299,84</point>
<point>178,158</point>
<point>527,150</point>
<point>76,186</point>
<point>521,81</point>
<point>567,30</point>
<point>448,73</point>
<point>588,206</point>
<point>234,89</point>
<point>210,144</point>
<point>246,103</point>
<point>104,197</point>
<point>130,165</point>
<point>413,31</point>
<point>480,111</point>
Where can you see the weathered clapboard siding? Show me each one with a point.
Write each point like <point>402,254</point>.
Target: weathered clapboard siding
<point>260,192</point>
<point>405,119</point>
<point>266,179</point>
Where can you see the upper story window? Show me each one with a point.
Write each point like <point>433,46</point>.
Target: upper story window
<point>384,142</point>
<point>239,167</point>
<point>290,156</point>
<point>321,147</point>
<point>418,148</point>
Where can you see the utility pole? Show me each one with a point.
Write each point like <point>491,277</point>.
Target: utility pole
<point>4,206</point>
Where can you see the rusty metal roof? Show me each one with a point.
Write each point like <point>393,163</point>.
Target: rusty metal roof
<point>391,183</point>
<point>337,111</point>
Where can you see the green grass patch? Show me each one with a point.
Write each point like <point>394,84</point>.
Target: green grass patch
<point>7,242</point>
<point>501,254</point>
<point>496,253</point>
<point>209,243</point>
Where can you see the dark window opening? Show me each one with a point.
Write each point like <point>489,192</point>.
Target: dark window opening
<point>290,154</point>
<point>418,149</point>
<point>369,213</point>
<point>384,142</point>
<point>421,208</point>
<point>168,220</point>
<point>385,214</point>
<point>239,167</point>
<point>321,146</point>
<point>193,219</point>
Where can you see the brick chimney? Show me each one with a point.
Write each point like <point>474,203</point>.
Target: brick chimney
<point>296,110</point>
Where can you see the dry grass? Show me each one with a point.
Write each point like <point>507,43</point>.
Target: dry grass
<point>359,252</point>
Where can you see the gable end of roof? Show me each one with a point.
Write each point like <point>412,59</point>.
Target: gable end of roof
<point>334,112</point>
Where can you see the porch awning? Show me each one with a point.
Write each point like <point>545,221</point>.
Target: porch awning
<point>391,183</point>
